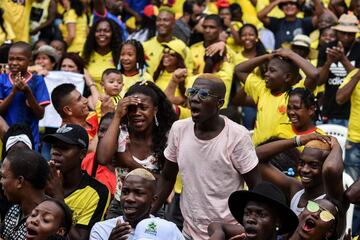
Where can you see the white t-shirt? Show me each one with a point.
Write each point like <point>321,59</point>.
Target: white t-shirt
<point>102,230</point>
<point>211,170</point>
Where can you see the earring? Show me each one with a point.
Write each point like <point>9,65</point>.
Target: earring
<point>156,121</point>
<point>277,228</point>
<point>137,65</point>
<point>119,67</point>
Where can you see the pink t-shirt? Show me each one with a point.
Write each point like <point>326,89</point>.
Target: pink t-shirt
<point>211,170</point>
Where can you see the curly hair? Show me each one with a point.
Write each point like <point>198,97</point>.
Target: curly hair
<point>165,115</point>
<point>115,43</point>
<point>308,99</point>
<point>140,54</point>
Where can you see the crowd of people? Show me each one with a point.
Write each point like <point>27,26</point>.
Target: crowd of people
<point>179,119</point>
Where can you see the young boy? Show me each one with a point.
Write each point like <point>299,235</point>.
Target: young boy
<point>270,95</point>
<point>23,95</point>
<point>112,83</point>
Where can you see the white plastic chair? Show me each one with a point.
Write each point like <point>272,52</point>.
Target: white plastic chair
<point>347,182</point>
<point>338,131</point>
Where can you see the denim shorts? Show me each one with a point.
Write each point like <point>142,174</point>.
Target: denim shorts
<point>352,159</point>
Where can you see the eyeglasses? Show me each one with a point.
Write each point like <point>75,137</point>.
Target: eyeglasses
<point>169,51</point>
<point>325,215</point>
<point>202,93</point>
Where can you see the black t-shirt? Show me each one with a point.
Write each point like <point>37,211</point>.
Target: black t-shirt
<point>285,31</point>
<point>337,73</point>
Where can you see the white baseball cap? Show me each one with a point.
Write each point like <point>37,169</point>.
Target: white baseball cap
<point>157,229</point>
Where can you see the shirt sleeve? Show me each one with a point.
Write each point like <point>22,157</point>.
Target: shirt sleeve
<point>253,86</point>
<point>347,79</point>
<point>171,151</point>
<point>70,17</point>
<point>244,156</point>
<point>41,92</point>
<point>2,95</point>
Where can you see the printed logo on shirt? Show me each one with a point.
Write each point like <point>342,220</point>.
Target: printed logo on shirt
<point>282,109</point>
<point>151,229</point>
<point>340,73</point>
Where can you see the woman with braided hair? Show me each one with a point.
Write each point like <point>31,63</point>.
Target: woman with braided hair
<point>148,116</point>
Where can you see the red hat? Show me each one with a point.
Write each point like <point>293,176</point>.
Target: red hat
<point>222,3</point>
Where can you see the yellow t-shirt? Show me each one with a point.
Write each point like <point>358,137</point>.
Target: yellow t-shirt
<point>198,53</point>
<point>8,35</point>
<point>249,11</point>
<point>230,41</point>
<point>97,65</point>
<point>131,80</point>
<point>88,202</point>
<point>154,52</point>
<point>99,114</point>
<point>286,131</point>
<point>163,81</point>
<point>354,119</point>
<point>271,110</point>
<point>77,44</point>
<point>18,16</point>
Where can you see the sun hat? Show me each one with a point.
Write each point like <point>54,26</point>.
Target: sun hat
<point>347,23</point>
<point>178,46</point>
<point>71,134</point>
<point>270,194</point>
<point>156,229</point>
<point>301,41</point>
<point>48,50</point>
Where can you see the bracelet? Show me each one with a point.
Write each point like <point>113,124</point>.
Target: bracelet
<point>297,141</point>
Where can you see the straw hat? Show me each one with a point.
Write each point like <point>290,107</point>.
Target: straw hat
<point>301,41</point>
<point>347,23</point>
<point>47,50</point>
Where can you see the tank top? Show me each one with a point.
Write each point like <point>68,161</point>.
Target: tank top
<point>296,199</point>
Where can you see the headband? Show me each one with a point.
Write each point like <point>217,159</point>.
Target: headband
<point>18,138</point>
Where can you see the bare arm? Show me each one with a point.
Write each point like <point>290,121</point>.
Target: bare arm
<point>218,230</point>
<point>241,99</point>
<point>243,69</point>
<point>37,109</point>
<point>263,14</point>
<point>253,177</point>
<point>343,94</point>
<point>77,233</point>
<point>319,10</point>
<point>71,30</point>
<point>51,17</point>
<point>332,171</point>
<point>352,194</point>
<point>167,182</point>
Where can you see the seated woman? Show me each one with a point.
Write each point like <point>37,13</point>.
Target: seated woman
<point>50,220</point>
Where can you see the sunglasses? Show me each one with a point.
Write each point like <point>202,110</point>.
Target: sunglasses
<point>325,215</point>
<point>169,51</point>
<point>201,92</point>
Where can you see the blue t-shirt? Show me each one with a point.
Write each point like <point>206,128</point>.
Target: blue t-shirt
<point>97,16</point>
<point>19,110</point>
<point>285,31</point>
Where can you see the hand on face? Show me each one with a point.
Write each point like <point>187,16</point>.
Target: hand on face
<point>120,231</point>
<point>122,107</point>
<point>54,186</point>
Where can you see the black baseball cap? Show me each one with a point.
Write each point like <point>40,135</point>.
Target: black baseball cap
<point>71,134</point>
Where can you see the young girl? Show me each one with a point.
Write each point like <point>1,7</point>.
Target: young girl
<point>51,219</point>
<point>132,64</point>
<point>172,60</point>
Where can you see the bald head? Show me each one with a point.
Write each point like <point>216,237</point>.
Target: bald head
<point>215,84</point>
<point>323,147</point>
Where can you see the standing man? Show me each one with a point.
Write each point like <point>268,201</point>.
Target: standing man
<point>214,156</point>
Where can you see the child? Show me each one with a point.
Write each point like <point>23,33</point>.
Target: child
<point>132,64</point>
<point>23,95</point>
<point>51,219</point>
<point>112,83</point>
<point>270,94</point>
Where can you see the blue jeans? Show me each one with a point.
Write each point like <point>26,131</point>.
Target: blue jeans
<point>352,167</point>
<point>338,121</point>
<point>249,117</point>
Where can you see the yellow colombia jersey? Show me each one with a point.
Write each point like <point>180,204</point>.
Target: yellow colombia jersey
<point>99,114</point>
<point>18,16</point>
<point>286,131</point>
<point>97,65</point>
<point>80,30</point>
<point>271,110</point>
<point>154,52</point>
<point>354,120</point>
<point>198,53</point>
<point>131,80</point>
<point>88,202</point>
<point>163,81</point>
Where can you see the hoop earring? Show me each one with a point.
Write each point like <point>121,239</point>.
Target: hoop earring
<point>156,121</point>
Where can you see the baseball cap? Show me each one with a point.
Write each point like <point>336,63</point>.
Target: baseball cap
<point>71,134</point>
<point>157,229</point>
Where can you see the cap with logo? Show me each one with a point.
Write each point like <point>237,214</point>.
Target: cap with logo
<point>71,134</point>
<point>156,229</point>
